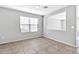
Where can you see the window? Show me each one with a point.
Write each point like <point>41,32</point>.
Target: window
<point>28,24</point>
<point>57,22</point>
<point>33,24</point>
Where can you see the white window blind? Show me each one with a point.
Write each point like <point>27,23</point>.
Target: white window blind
<point>28,24</point>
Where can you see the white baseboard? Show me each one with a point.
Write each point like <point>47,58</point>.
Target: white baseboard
<point>17,39</point>
<point>60,41</point>
<point>13,40</point>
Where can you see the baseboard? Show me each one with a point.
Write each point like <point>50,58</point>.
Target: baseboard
<point>16,40</point>
<point>60,41</point>
<point>38,37</point>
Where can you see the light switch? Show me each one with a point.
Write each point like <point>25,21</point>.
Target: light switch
<point>72,27</point>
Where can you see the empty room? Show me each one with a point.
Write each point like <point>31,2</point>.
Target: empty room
<point>38,29</point>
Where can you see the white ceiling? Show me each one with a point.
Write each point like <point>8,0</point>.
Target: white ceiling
<point>39,11</point>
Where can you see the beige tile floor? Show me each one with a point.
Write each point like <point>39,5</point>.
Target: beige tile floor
<point>36,46</point>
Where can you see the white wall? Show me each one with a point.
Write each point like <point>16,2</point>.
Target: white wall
<point>10,28</point>
<point>68,37</point>
<point>77,24</point>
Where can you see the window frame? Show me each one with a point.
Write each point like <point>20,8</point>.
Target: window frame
<point>29,24</point>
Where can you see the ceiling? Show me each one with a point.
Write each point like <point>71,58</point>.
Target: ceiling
<point>33,8</point>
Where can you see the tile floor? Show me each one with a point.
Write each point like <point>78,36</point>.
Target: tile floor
<point>36,46</point>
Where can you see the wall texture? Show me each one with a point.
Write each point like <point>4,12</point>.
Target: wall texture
<point>68,37</point>
<point>10,28</point>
